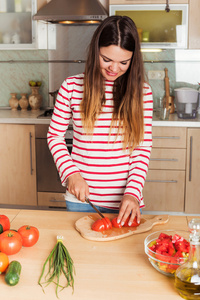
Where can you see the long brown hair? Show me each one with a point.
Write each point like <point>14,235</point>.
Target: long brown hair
<point>128,88</point>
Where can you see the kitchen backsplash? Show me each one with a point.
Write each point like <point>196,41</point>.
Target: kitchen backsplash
<point>18,67</point>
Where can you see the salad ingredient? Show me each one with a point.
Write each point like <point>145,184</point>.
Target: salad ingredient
<point>115,224</point>
<point>29,234</point>
<point>4,262</point>
<point>102,224</point>
<point>10,242</point>
<point>4,223</point>
<point>13,273</point>
<point>59,262</point>
<point>134,223</point>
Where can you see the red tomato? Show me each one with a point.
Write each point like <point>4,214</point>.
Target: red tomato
<point>4,262</point>
<point>115,224</point>
<point>134,223</point>
<point>4,223</point>
<point>101,224</point>
<point>10,242</point>
<point>29,234</point>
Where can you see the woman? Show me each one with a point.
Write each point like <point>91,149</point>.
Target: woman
<point>111,110</point>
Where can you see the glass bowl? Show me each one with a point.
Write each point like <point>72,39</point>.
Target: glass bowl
<point>165,264</point>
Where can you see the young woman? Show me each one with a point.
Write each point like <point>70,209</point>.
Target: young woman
<point>111,109</point>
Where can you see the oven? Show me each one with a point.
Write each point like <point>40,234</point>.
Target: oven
<point>48,180</point>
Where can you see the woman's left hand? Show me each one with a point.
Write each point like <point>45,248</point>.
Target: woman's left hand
<point>129,207</point>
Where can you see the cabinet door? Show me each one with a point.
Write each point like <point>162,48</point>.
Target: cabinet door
<point>51,200</point>
<point>194,24</point>
<point>18,167</point>
<point>147,1</point>
<point>192,199</point>
<point>164,190</point>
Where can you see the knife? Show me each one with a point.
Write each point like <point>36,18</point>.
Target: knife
<point>88,201</point>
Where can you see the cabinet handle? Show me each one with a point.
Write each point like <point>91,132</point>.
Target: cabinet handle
<point>163,181</point>
<point>31,163</point>
<point>163,159</point>
<point>190,165</point>
<point>54,200</point>
<point>167,137</point>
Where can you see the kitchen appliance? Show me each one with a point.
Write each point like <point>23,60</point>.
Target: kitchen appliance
<point>186,102</point>
<point>72,12</point>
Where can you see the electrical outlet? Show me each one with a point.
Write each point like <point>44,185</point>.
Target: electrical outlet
<point>156,75</point>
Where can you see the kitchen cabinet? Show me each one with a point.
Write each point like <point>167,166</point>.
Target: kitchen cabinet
<point>18,166</point>
<point>17,29</point>
<point>192,203</point>
<point>165,183</point>
<point>51,200</point>
<point>194,24</point>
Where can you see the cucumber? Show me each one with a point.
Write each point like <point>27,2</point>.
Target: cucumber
<point>13,271</point>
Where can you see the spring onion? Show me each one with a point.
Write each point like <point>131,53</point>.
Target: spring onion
<point>59,262</point>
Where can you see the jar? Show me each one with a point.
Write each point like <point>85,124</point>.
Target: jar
<point>35,99</point>
<point>187,276</point>
<point>23,102</point>
<point>13,102</point>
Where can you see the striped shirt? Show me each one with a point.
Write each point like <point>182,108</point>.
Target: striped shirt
<point>109,171</point>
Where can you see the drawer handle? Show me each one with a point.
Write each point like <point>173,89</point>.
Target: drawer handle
<point>190,166</point>
<point>55,200</point>
<point>31,163</point>
<point>163,159</point>
<point>167,137</point>
<point>163,181</point>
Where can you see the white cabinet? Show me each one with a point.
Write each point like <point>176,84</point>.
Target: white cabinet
<point>17,29</point>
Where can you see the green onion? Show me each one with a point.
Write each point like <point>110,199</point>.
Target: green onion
<point>59,262</point>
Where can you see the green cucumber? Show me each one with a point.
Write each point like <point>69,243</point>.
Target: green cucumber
<point>13,271</point>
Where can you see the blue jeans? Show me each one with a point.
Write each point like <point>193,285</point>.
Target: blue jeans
<point>85,207</point>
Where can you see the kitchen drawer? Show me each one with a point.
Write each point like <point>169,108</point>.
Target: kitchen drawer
<point>169,137</point>
<point>165,159</point>
<point>51,200</point>
<point>164,191</point>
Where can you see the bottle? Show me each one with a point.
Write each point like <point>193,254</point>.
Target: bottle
<point>187,276</point>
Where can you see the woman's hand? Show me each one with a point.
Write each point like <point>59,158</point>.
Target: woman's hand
<point>78,187</point>
<point>128,207</point>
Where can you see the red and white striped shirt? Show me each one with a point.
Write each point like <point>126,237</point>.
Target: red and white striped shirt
<point>109,171</point>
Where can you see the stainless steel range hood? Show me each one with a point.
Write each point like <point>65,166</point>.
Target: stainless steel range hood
<point>72,12</point>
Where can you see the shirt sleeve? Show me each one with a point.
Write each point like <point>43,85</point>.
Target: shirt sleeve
<point>56,134</point>
<point>139,160</point>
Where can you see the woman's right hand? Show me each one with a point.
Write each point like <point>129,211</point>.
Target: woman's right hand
<point>78,187</point>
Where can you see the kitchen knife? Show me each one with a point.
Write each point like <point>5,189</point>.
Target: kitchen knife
<point>88,201</point>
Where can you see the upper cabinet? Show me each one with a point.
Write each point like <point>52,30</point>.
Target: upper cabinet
<point>180,28</point>
<point>17,29</point>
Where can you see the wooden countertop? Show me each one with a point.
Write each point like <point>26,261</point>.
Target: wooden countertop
<point>104,270</point>
<point>8,116</point>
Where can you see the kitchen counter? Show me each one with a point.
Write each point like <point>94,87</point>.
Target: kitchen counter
<point>31,117</point>
<point>104,270</point>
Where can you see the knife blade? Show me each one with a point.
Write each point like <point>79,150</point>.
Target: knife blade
<point>95,208</point>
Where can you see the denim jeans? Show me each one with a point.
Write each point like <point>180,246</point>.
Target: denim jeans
<point>85,207</point>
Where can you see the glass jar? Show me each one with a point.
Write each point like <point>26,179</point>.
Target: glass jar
<point>187,276</point>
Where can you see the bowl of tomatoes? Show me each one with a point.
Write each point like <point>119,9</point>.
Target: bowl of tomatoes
<point>167,250</point>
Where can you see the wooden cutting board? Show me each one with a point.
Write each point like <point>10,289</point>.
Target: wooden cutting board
<point>83,225</point>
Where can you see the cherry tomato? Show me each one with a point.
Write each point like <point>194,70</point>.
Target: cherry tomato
<point>134,223</point>
<point>29,234</point>
<point>115,224</point>
<point>4,223</point>
<point>102,224</point>
<point>4,262</point>
<point>10,242</point>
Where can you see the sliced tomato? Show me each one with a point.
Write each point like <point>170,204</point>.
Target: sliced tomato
<point>115,224</point>
<point>4,223</point>
<point>29,234</point>
<point>10,242</point>
<point>102,224</point>
<point>133,224</point>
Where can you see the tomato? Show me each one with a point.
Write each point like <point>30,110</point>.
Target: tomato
<point>115,224</point>
<point>4,223</point>
<point>102,224</point>
<point>29,234</point>
<point>4,262</point>
<point>133,224</point>
<point>10,242</point>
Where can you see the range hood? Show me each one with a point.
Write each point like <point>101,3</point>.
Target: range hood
<point>72,12</point>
